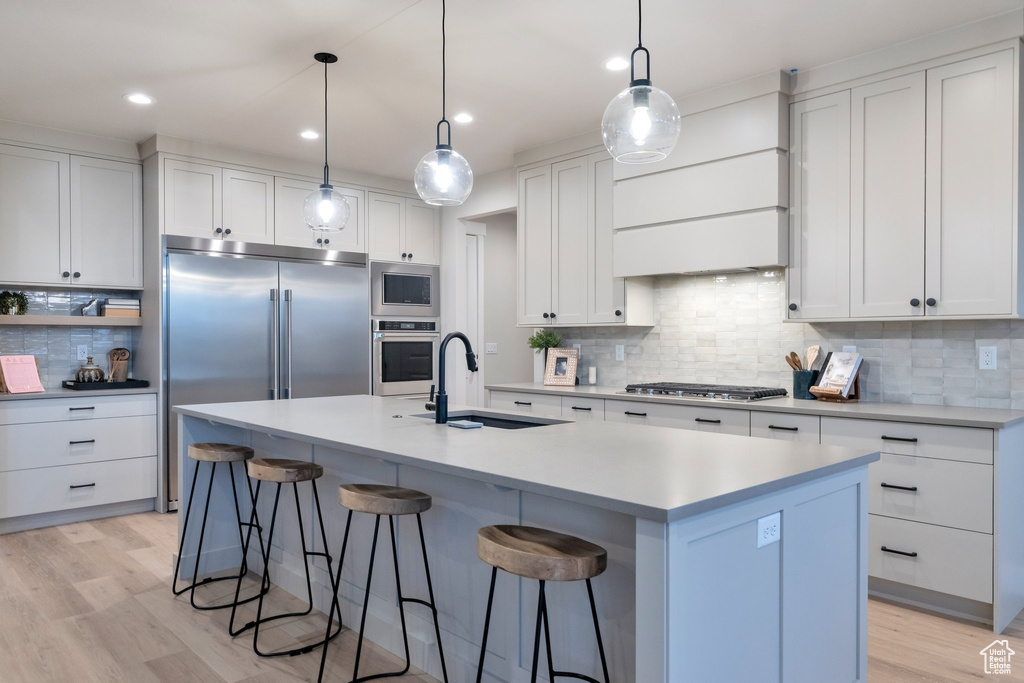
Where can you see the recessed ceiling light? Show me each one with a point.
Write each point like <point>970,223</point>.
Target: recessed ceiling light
<point>139,98</point>
<point>463,117</point>
<point>616,64</point>
<point>310,134</point>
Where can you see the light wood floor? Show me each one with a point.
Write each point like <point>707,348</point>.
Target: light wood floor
<point>90,602</point>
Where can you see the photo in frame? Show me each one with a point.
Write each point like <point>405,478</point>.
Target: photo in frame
<point>561,367</point>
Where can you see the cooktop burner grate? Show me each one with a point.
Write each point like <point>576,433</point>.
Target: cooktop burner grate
<point>716,391</point>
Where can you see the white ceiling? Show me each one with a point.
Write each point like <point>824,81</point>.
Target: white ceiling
<point>241,72</point>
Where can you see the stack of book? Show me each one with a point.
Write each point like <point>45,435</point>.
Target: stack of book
<point>121,308</point>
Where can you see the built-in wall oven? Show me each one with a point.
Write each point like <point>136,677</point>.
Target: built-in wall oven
<point>404,289</point>
<point>404,353</point>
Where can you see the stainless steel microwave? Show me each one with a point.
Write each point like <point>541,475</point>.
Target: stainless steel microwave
<point>405,289</point>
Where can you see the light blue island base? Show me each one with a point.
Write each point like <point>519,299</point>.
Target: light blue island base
<point>688,594</point>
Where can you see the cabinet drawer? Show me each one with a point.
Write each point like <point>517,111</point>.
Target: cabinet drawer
<point>955,494</point>
<point>582,409</point>
<point>75,408</point>
<point>30,492</point>
<point>785,426</point>
<point>948,560</point>
<point>721,420</point>
<point>965,444</point>
<point>26,446</point>
<point>531,404</point>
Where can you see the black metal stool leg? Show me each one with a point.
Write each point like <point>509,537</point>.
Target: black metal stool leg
<point>244,569</point>
<point>401,600</point>
<point>536,635</point>
<point>330,573</point>
<point>335,603</point>
<point>305,555</point>
<point>202,535</point>
<point>487,626</point>
<point>597,630</point>
<point>184,531</point>
<point>366,600</point>
<point>433,605</point>
<point>266,575</point>
<point>264,585</point>
<point>547,634</point>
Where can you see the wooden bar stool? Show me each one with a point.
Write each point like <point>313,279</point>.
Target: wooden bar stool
<point>214,453</point>
<point>281,471</point>
<point>391,501</point>
<point>544,555</point>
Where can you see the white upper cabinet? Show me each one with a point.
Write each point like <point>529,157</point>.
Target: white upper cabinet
<point>887,198</point>
<point>218,203</point>
<point>819,209</point>
<point>608,293</point>
<point>106,223</point>
<point>290,227</point>
<point>403,229</point>
<point>534,245</point>
<point>970,207</point>
<point>569,199</point>
<point>35,216</point>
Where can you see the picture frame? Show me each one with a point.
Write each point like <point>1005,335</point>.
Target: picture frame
<point>561,367</point>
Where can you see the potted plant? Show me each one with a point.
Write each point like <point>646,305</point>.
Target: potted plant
<point>541,341</point>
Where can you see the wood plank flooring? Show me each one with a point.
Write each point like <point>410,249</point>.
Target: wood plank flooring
<point>90,602</point>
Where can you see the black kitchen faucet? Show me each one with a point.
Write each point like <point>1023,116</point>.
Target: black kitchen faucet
<point>440,404</point>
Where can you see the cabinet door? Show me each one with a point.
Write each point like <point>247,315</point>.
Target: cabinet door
<point>422,233</point>
<point>385,224</point>
<point>533,231</point>
<point>353,237</point>
<point>969,206</point>
<point>35,219</point>
<point>289,227</point>
<point>569,214</point>
<point>106,223</point>
<point>248,206</point>
<point>607,293</point>
<point>887,198</point>
<point>192,199</point>
<point>819,207</point>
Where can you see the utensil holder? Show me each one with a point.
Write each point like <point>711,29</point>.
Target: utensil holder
<point>803,380</point>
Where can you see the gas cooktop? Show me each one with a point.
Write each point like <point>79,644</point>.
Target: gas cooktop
<point>723,392</point>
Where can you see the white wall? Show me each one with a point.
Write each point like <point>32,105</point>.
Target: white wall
<point>514,360</point>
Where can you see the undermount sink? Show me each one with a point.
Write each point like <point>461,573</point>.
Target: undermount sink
<point>495,421</point>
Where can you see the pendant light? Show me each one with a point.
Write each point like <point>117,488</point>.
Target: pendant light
<point>443,176</point>
<point>641,125</point>
<point>325,209</point>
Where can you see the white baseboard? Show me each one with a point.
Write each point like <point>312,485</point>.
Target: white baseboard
<point>45,519</point>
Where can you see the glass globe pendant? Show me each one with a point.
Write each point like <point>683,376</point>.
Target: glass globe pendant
<point>324,208</point>
<point>641,124</point>
<point>443,176</point>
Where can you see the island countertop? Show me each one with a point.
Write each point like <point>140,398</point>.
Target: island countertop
<point>655,473</point>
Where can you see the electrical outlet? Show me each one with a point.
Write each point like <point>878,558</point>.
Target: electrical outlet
<point>83,352</point>
<point>620,352</point>
<point>492,348</point>
<point>576,346</point>
<point>849,349</point>
<point>769,529</point>
<point>987,358</point>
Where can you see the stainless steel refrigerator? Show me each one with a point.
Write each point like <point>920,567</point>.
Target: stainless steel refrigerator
<point>248,322</point>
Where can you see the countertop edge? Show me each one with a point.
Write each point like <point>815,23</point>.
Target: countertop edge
<point>71,393</point>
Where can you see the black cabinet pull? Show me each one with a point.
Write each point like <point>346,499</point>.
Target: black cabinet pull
<point>930,301</point>
<point>915,302</point>
<point>219,230</point>
<point>523,403</point>
<point>410,254</point>
<point>582,408</point>
<point>77,274</point>
<point>707,421</point>
<point>83,486</point>
<point>899,438</point>
<point>898,552</point>
<point>547,315</point>
<point>404,254</point>
<point>618,313</point>
<point>784,429</point>
<point>792,307</point>
<point>75,443</point>
<point>899,488</point>
<point>319,240</point>
<point>85,408</point>
<point>635,414</point>
<point>228,231</point>
<point>327,241</point>
<point>65,274</point>
<point>552,315</point>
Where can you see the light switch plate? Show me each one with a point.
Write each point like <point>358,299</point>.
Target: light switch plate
<point>620,352</point>
<point>987,357</point>
<point>769,529</point>
<point>491,348</point>
<point>576,346</point>
<point>83,352</point>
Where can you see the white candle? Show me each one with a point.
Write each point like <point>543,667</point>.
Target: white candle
<point>592,374</point>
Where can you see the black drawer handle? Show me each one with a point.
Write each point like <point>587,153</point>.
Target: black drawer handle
<point>83,486</point>
<point>898,552</point>
<point>635,414</point>
<point>86,408</point>
<point>899,438</point>
<point>707,421</point>
<point>899,488</point>
<point>582,408</point>
<point>75,443</point>
<point>523,403</point>
<point>784,429</point>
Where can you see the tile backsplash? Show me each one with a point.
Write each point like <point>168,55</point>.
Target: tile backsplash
<point>56,347</point>
<point>728,329</point>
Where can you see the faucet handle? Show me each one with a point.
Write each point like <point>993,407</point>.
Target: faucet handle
<point>431,393</point>
<point>430,405</point>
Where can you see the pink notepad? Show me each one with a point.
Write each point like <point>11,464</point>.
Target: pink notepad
<point>20,374</point>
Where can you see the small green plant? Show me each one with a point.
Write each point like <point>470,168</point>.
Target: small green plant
<point>544,339</point>
<point>16,300</point>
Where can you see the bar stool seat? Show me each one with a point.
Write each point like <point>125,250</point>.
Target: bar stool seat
<point>376,499</point>
<point>283,471</point>
<point>219,452</point>
<point>539,553</point>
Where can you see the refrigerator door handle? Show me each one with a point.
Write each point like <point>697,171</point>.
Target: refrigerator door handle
<point>288,343</point>
<point>275,345</point>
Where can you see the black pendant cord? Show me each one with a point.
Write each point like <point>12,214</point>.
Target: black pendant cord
<point>326,170</point>
<point>444,80</point>
<point>640,23</point>
<point>633,80</point>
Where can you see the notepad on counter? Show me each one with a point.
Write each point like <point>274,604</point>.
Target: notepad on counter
<point>19,375</point>
<point>465,424</point>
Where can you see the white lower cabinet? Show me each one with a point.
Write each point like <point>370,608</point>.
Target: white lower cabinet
<point>583,409</point>
<point>530,404</point>
<point>785,426</point>
<point>721,420</point>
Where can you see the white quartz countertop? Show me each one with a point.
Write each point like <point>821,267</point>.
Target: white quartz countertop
<point>71,393</point>
<point>988,418</point>
<point>651,472</point>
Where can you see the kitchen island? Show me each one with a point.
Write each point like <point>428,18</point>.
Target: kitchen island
<point>688,595</point>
